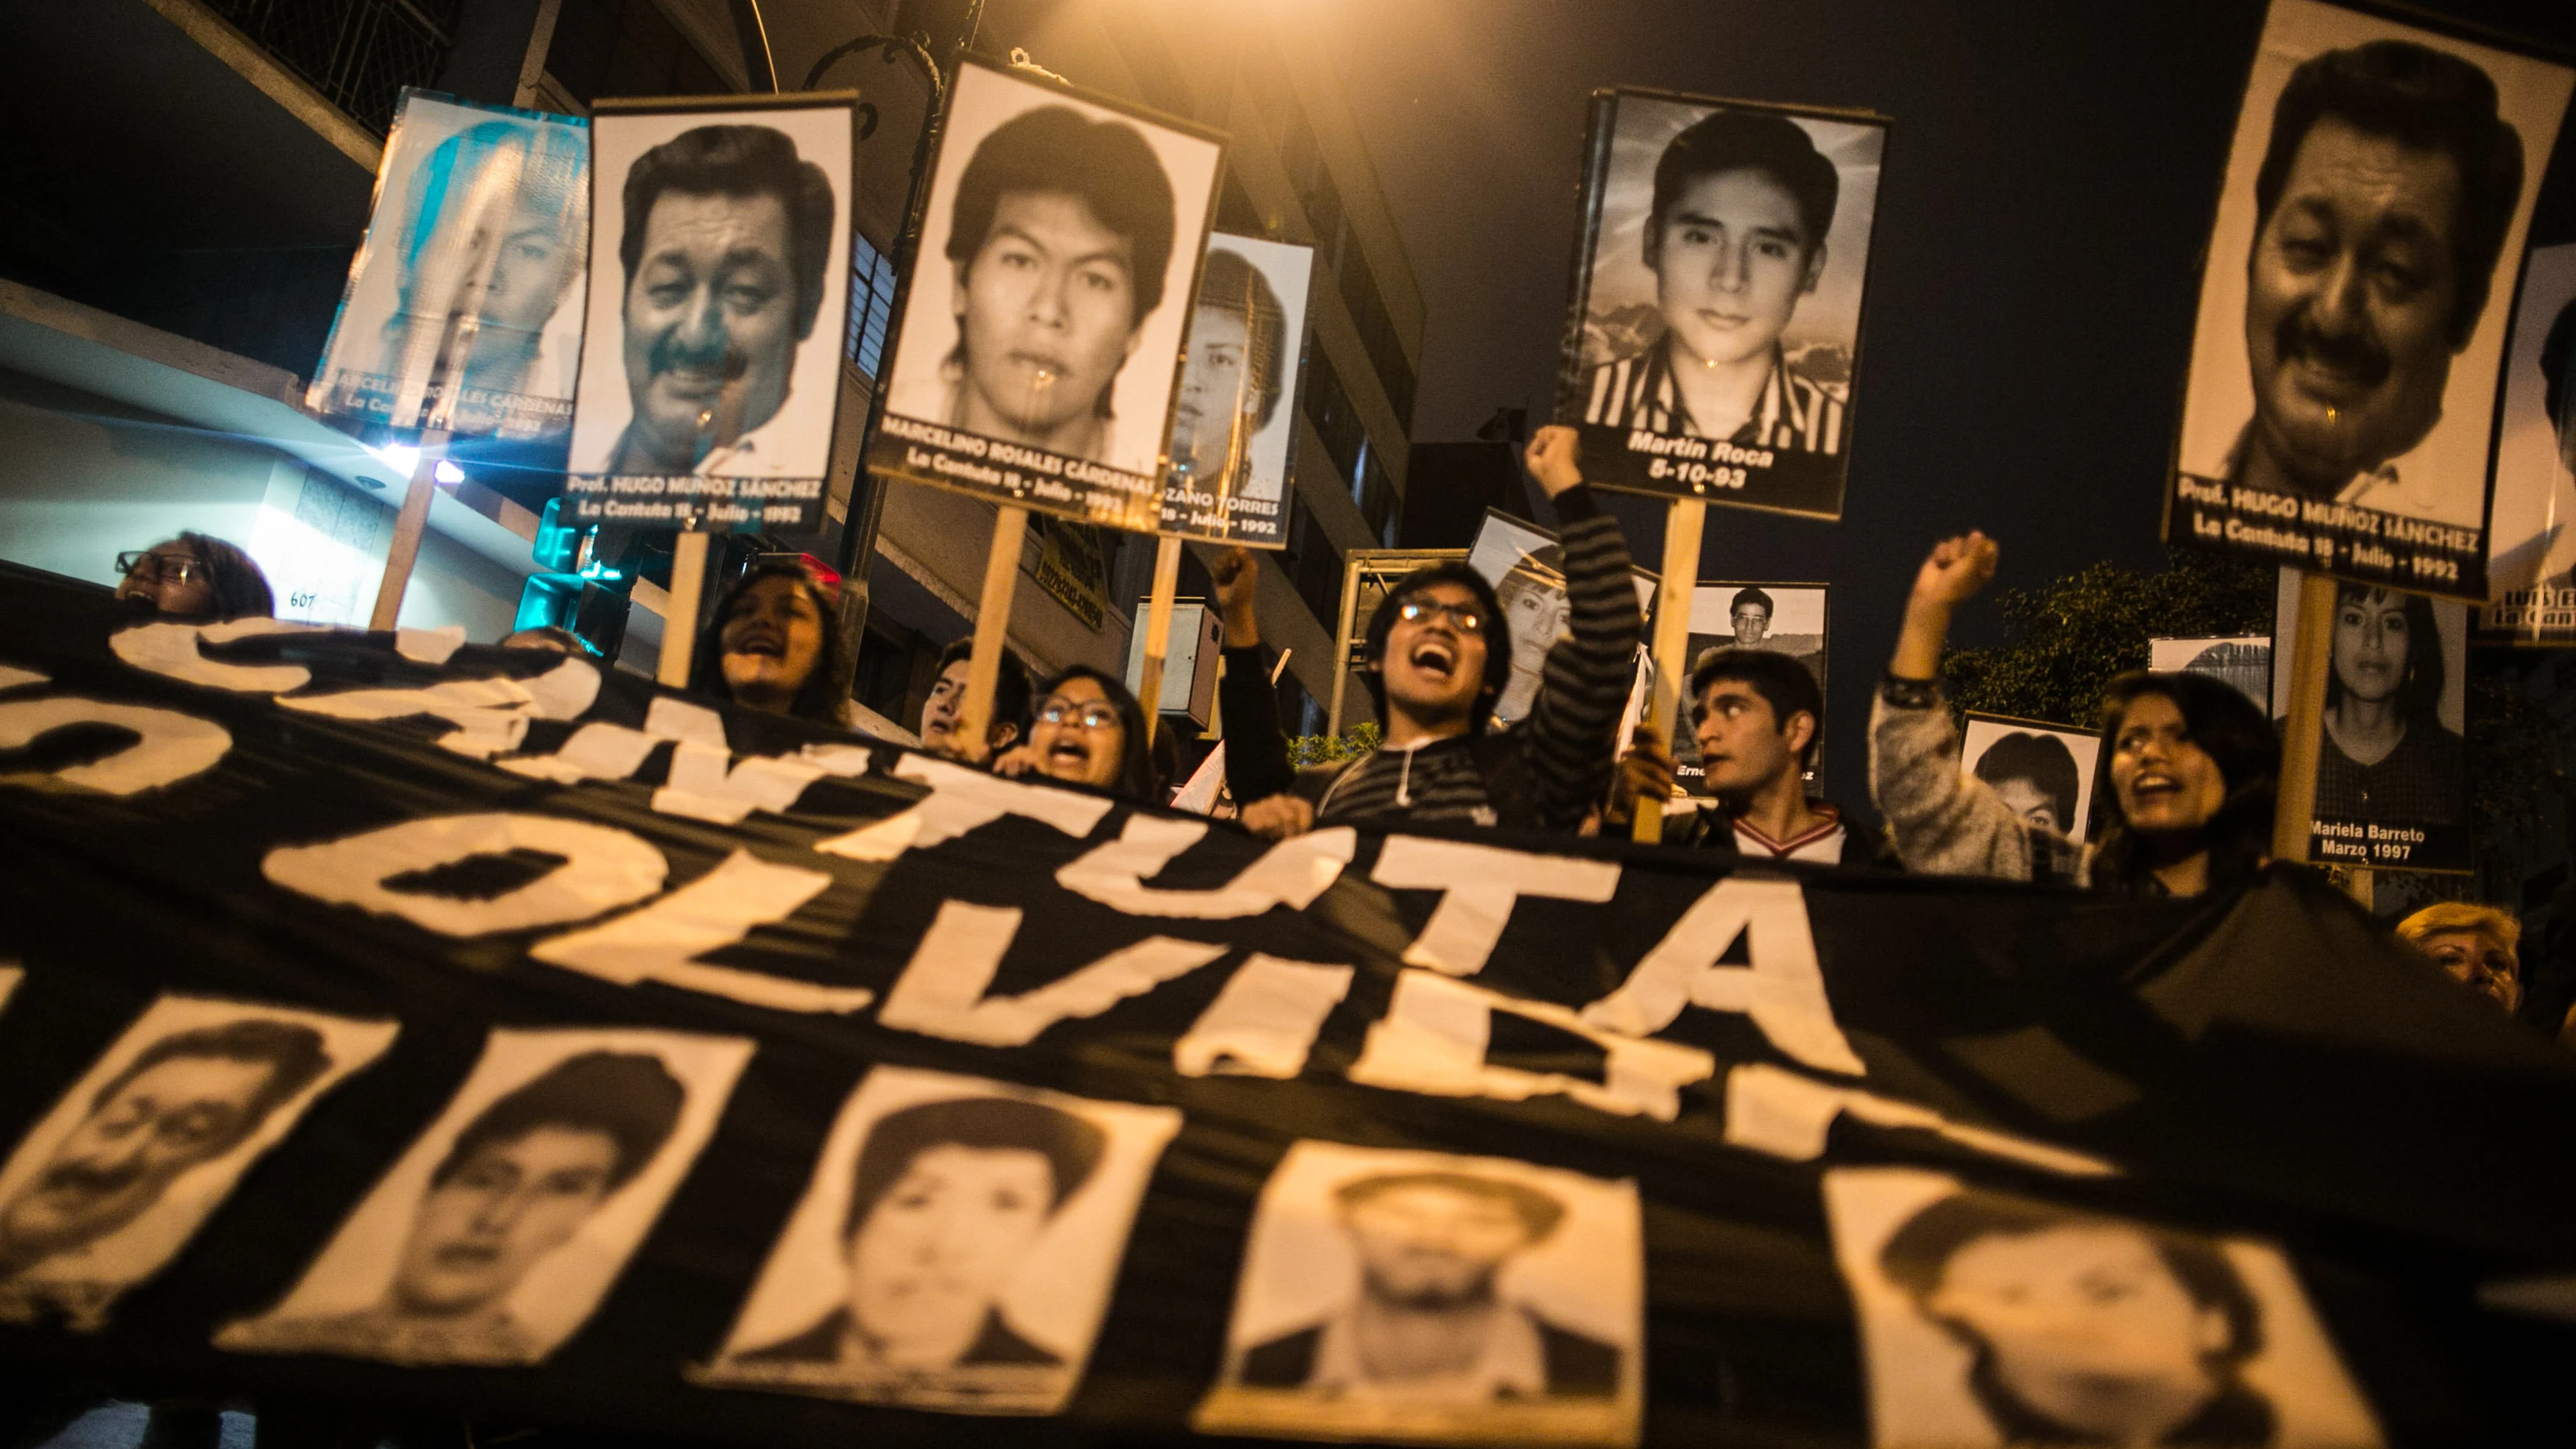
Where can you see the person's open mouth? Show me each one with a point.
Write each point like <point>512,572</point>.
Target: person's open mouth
<point>763,642</point>
<point>2155,787</point>
<point>1435,658</point>
<point>1069,752</point>
<point>468,1255</point>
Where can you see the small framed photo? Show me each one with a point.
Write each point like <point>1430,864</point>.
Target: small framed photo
<point>2392,759</point>
<point>1714,342</point>
<point>1540,1270</point>
<point>496,1235</point>
<point>1234,426</point>
<point>2044,772</point>
<point>1988,1318</point>
<point>1777,618</point>
<point>113,1182</point>
<point>955,1249</point>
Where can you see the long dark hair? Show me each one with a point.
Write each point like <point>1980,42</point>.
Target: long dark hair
<point>814,699</point>
<point>238,587</point>
<point>2227,727</point>
<point>1137,778</point>
<point>2419,684</point>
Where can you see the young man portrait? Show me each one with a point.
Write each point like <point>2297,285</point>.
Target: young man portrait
<point>2035,774</point>
<point>1430,1323</point>
<point>184,1101</point>
<point>1058,242</point>
<point>726,247</point>
<point>519,1181</point>
<point>1236,374</point>
<point>2381,210</point>
<point>2086,1329</point>
<point>1735,238</point>
<point>947,700</point>
<point>947,1201</point>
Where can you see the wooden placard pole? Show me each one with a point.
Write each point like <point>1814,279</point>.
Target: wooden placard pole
<point>1158,631</point>
<point>408,527</point>
<point>1682,524</point>
<point>2311,646</point>
<point>992,625</point>
<point>680,626</point>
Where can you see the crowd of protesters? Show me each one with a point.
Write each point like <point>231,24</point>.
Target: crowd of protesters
<point>2184,789</point>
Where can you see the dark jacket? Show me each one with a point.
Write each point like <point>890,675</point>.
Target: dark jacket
<point>1577,1366</point>
<point>1711,828</point>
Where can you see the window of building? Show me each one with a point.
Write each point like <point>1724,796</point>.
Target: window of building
<point>871,303</point>
<point>1377,332</point>
<point>1314,565</point>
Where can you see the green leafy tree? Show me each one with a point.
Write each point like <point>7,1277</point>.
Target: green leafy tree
<point>1358,740</point>
<point>2067,638</point>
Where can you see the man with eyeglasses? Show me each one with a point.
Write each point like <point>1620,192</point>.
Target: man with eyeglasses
<point>1439,656</point>
<point>198,575</point>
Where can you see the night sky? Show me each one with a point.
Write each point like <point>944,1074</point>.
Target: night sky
<point>2050,178</point>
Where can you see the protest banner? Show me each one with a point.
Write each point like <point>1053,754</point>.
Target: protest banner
<point>1675,1153</point>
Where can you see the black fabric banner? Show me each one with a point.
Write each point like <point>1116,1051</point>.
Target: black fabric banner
<point>405,1027</point>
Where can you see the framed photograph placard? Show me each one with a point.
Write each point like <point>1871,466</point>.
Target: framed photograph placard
<point>1234,426</point>
<point>1715,332</point>
<point>2340,411</point>
<point>464,305</point>
<point>1039,361</point>
<point>711,376</point>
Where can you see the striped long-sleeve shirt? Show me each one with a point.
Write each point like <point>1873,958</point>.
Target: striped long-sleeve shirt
<point>1795,413</point>
<point>1548,771</point>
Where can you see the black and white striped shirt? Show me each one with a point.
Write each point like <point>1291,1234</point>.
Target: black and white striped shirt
<point>1796,414</point>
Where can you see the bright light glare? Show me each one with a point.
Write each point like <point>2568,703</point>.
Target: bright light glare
<point>447,472</point>
<point>401,457</point>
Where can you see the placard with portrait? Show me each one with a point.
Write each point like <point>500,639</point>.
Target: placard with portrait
<point>1776,618</point>
<point>2392,762</point>
<point>2043,772</point>
<point>1714,340</point>
<point>1039,360</point>
<point>2340,407</point>
<point>2532,551</point>
<point>1234,425</point>
<point>719,312</point>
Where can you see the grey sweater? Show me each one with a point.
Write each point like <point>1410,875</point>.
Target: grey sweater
<point>1945,820</point>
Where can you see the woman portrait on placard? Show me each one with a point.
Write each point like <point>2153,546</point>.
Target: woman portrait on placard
<point>2387,755</point>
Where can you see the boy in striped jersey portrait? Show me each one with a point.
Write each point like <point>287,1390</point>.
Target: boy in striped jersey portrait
<point>1735,239</point>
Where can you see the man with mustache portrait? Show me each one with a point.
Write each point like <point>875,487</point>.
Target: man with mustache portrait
<point>2381,210</point>
<point>1061,234</point>
<point>184,1101</point>
<point>726,245</point>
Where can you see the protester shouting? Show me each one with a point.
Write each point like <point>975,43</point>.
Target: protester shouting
<point>1757,716</point>
<point>2187,773</point>
<point>771,643</point>
<point>940,713</point>
<point>1439,653</point>
<point>196,574</point>
<point>1088,730</point>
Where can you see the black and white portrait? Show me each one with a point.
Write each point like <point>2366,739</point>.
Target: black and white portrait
<point>1776,617</point>
<point>1043,331</point>
<point>2392,768</point>
<point>113,1182</point>
<point>2533,551</point>
<point>2354,308</point>
<point>1235,422</point>
<point>2044,772</point>
<point>2243,661</point>
<point>1527,569</point>
<point>468,289</point>
<point>1989,1319</point>
<point>1718,323</point>
<point>1417,1295</point>
<point>495,1236</point>
<point>717,308</point>
<point>955,1249</point>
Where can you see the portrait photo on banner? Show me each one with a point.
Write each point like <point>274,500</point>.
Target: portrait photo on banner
<point>495,1235</point>
<point>2353,309</point>
<point>2044,772</point>
<point>1040,351</point>
<point>1715,333</point>
<point>1527,1282</point>
<point>467,290</point>
<point>1775,618</point>
<point>711,367</point>
<point>107,1187</point>
<point>955,1249</point>
<point>2534,544</point>
<point>1234,426</point>
<point>1987,1318</point>
<point>2392,765</point>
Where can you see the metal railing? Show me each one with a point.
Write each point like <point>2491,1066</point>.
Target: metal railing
<point>358,53</point>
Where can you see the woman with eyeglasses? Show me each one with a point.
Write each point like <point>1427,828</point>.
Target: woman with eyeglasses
<point>1088,730</point>
<point>770,645</point>
<point>197,575</point>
